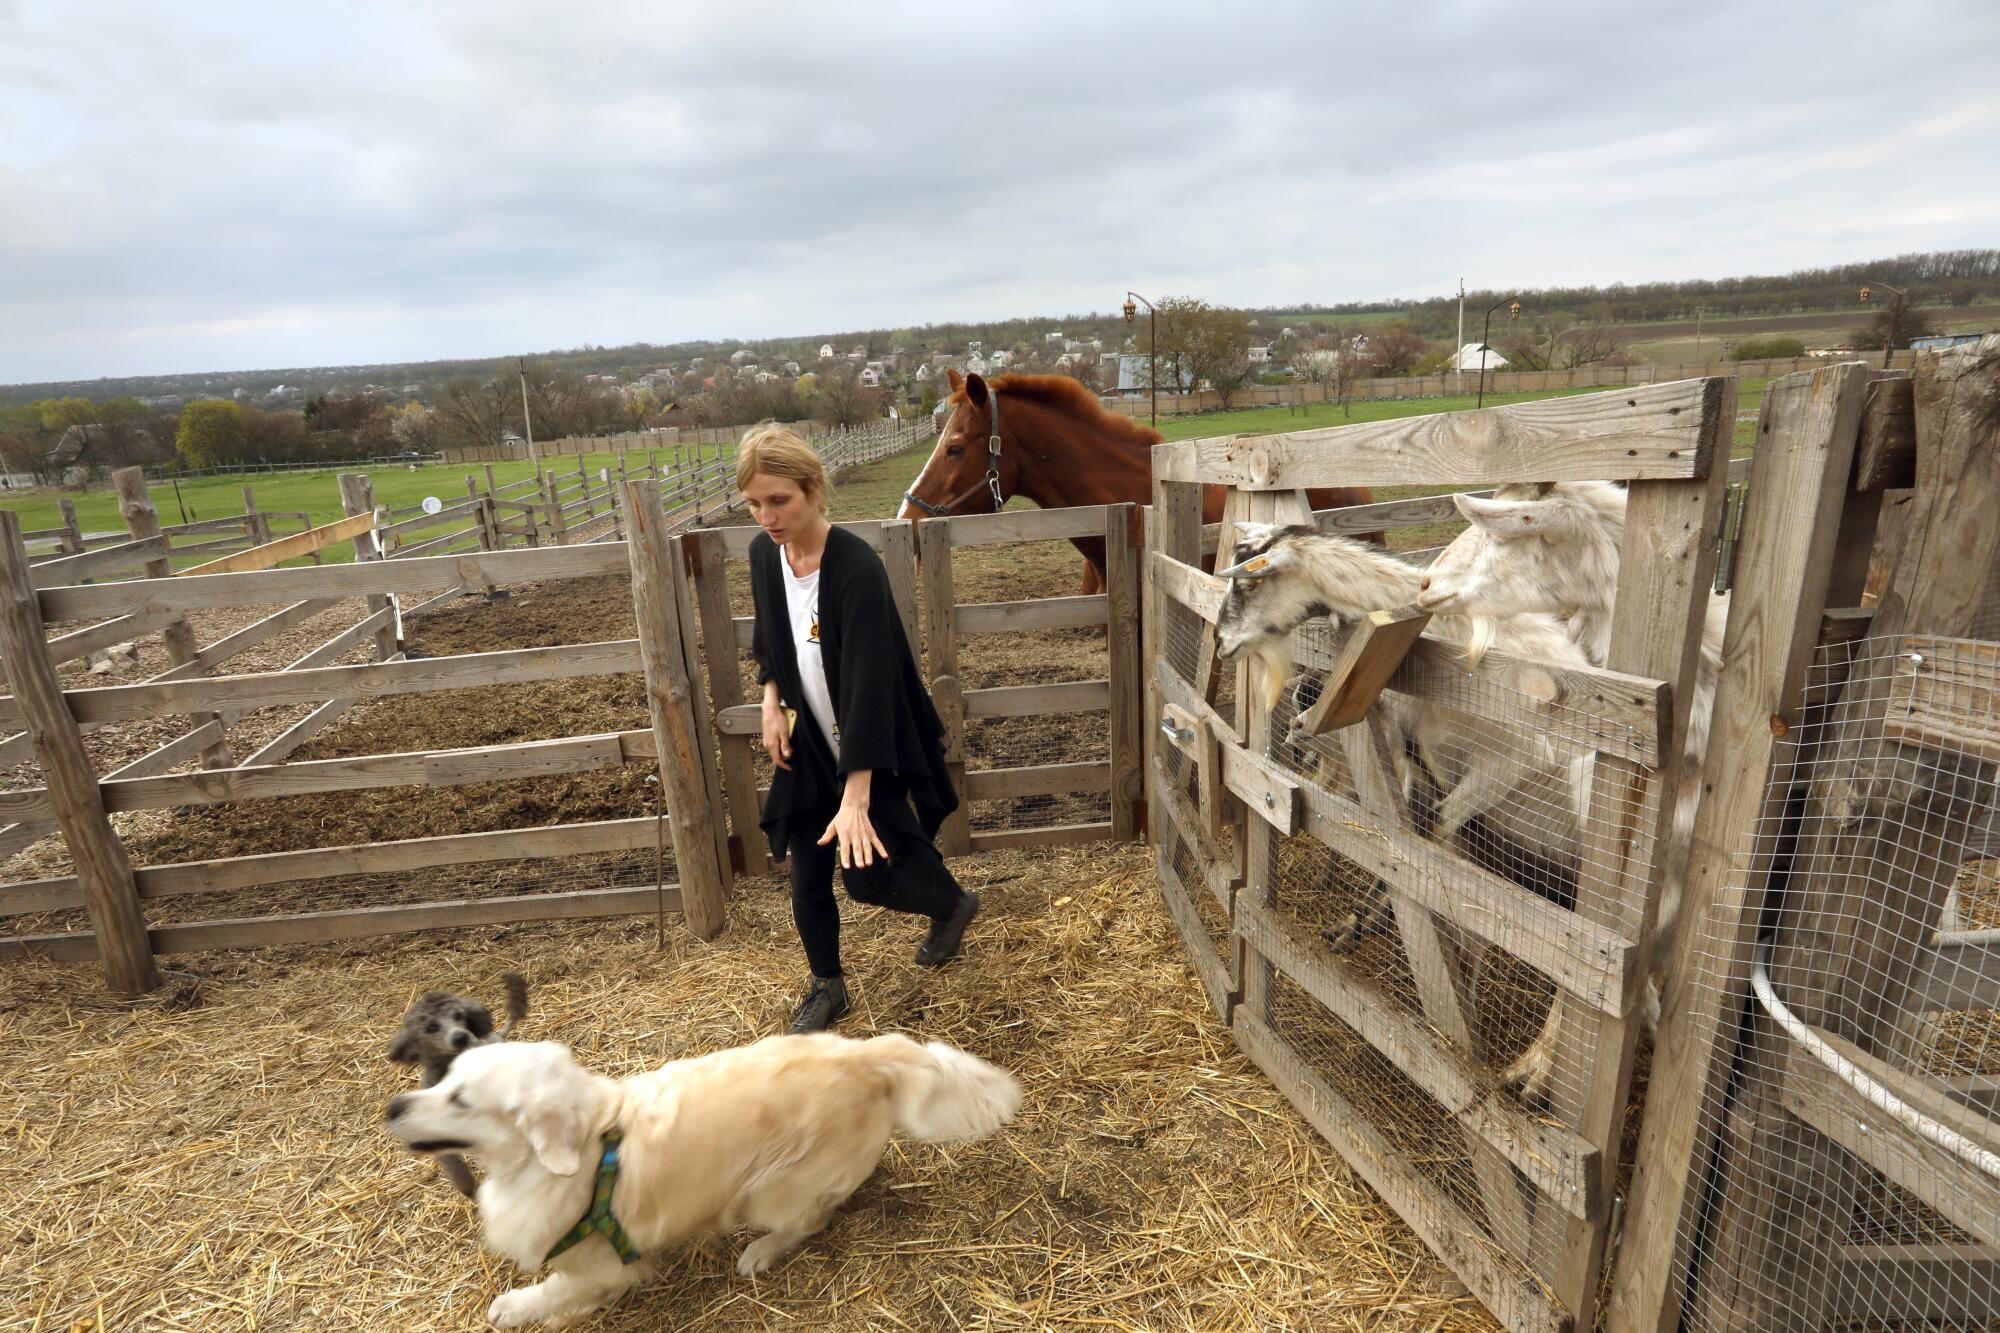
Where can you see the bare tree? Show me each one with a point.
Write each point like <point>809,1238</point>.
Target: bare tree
<point>842,400</point>
<point>471,413</point>
<point>1333,363</point>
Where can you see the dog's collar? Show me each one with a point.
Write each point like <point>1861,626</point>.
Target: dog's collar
<point>599,1221</point>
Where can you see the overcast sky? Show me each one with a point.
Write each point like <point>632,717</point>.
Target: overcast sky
<point>214,186</point>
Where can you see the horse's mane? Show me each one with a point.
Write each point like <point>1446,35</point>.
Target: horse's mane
<point>1074,398</point>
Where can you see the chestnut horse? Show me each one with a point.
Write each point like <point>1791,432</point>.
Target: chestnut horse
<point>1058,446</point>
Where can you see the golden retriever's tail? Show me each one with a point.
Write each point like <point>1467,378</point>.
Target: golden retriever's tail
<point>942,1093</point>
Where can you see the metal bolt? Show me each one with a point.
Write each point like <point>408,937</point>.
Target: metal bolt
<point>1270,801</point>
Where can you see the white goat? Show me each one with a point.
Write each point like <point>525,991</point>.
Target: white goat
<point>1555,548</point>
<point>1521,782</point>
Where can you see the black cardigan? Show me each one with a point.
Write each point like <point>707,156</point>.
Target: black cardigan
<point>884,715</point>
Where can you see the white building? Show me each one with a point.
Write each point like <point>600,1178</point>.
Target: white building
<point>1469,358</point>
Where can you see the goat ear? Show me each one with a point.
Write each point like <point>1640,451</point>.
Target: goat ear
<point>1266,562</point>
<point>1504,518</point>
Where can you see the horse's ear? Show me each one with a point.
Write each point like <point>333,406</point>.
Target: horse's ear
<point>975,390</point>
<point>957,380</point>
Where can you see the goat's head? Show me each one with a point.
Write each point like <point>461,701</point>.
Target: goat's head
<point>1523,546</point>
<point>1269,597</point>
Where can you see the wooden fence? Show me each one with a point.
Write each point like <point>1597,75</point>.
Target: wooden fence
<point>1497,381</point>
<point>936,626</point>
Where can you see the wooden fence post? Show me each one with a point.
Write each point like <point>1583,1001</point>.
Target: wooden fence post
<point>558,525</point>
<point>941,637</point>
<point>135,503</point>
<point>1128,689</point>
<point>257,526</point>
<point>583,475</point>
<point>1845,956</point>
<point>102,868</point>
<point>357,496</point>
<point>1806,438</point>
<point>659,583</point>
<point>708,557</point>
<point>71,541</point>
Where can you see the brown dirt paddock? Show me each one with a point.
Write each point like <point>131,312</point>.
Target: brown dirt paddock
<point>209,1158</point>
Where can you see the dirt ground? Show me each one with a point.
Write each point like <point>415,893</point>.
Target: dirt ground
<point>208,1157</point>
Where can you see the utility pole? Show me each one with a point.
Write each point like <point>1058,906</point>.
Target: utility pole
<point>1458,357</point>
<point>527,424</point>
<point>1697,333</point>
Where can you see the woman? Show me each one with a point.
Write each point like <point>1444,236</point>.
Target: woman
<point>856,746</point>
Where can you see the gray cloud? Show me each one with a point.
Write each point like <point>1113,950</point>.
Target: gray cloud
<point>257,185</point>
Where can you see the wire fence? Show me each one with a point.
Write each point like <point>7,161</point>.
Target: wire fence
<point>1855,1181</point>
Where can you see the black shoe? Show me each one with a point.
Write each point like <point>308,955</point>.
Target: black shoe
<point>941,945</point>
<point>824,1005</point>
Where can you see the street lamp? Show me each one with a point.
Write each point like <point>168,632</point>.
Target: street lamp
<point>1513,304</point>
<point>1895,316</point>
<point>1153,335</point>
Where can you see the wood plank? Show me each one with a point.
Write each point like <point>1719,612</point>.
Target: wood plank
<point>1371,653</point>
<point>472,570</point>
<point>119,629</point>
<point>291,738</point>
<point>1199,592</point>
<point>725,691</point>
<point>272,554</point>
<point>1026,525</point>
<point>995,784</point>
<point>1046,835</point>
<point>1959,1191</point>
<point>736,540</point>
<point>1558,1162</point>
<point>1264,789</point>
<point>268,627</point>
<point>422,520</point>
<point>1366,520</point>
<point>899,560</point>
<point>1583,958</point>
<point>659,593</point>
<point>249,872</point>
<point>438,768</point>
<point>955,835</point>
<point>1040,613</point>
<point>339,644</point>
<point>1446,1229</point>
<point>372,680</point>
<point>174,752</point>
<point>1886,456</point>
<point>1079,696</point>
<point>72,795</point>
<point>470,537</point>
<point>1209,968</point>
<point>69,569</point>
<point>1615,711</point>
<point>1945,694</point>
<point>1648,431</point>
<point>1126,675</point>
<point>1904,1284</point>
<point>364,922</point>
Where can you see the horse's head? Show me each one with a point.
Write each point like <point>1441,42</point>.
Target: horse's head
<point>968,472</point>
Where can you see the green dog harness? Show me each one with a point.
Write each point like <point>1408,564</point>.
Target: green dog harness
<point>599,1221</point>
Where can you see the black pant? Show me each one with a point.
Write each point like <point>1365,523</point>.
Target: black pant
<point>915,879</point>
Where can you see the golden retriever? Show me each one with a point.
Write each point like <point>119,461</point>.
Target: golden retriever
<point>773,1136</point>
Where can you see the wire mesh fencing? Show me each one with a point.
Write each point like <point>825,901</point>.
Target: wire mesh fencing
<point>1854,1171</point>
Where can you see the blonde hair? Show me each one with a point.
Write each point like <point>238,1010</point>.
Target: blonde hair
<point>780,451</point>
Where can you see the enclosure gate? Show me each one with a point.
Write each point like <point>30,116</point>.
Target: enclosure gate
<point>717,562</point>
<point>1390,1047</point>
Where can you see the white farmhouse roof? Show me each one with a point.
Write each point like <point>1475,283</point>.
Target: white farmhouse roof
<point>1468,358</point>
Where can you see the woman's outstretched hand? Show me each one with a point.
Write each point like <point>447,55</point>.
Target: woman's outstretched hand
<point>859,843</point>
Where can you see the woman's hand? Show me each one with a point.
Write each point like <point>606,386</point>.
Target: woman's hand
<point>858,840</point>
<point>859,843</point>
<point>777,736</point>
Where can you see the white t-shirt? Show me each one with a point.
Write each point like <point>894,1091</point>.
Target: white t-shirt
<point>802,604</point>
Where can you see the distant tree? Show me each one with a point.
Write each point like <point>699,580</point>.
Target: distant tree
<point>212,432</point>
<point>475,414</point>
<point>1200,343</point>
<point>1332,363</point>
<point>1395,348</point>
<point>279,437</point>
<point>1897,322</point>
<point>842,400</point>
<point>413,426</point>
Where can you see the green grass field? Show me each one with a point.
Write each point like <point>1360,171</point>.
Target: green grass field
<point>316,494</point>
<point>869,492</point>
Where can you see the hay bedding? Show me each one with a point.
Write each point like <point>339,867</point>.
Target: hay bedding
<point>210,1159</point>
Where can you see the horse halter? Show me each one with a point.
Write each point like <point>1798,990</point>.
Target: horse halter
<point>991,481</point>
